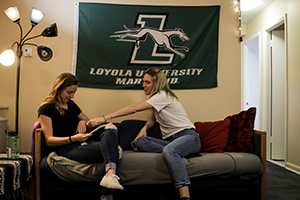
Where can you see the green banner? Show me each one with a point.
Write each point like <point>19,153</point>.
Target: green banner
<point>114,44</point>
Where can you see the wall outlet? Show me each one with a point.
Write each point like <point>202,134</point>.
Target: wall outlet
<point>28,52</point>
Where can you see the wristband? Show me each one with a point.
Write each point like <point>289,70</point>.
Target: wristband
<point>70,139</point>
<point>104,118</point>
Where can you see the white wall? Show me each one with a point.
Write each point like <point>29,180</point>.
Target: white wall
<point>273,12</point>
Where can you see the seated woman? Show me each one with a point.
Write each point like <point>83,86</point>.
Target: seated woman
<point>64,127</point>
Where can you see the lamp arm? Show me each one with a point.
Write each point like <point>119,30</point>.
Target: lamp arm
<point>21,31</point>
<point>30,44</point>
<point>12,46</point>
<point>30,39</point>
<point>27,33</point>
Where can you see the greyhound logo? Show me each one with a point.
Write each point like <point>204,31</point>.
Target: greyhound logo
<point>162,38</point>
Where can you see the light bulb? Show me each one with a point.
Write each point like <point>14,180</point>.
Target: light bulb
<point>7,58</point>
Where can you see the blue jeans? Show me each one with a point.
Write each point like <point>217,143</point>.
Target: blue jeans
<point>173,148</point>
<point>102,147</point>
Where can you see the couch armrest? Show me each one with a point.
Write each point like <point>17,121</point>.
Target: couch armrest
<point>37,161</point>
<point>263,157</point>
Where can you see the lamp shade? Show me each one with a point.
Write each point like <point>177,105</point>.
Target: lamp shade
<point>13,14</point>
<point>44,53</point>
<point>50,31</point>
<point>7,58</point>
<point>36,16</point>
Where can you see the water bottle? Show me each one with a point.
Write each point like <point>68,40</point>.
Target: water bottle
<point>12,145</point>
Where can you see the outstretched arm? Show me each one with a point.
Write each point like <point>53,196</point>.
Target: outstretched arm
<point>127,110</point>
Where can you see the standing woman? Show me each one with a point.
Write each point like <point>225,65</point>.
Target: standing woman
<point>178,132</point>
<point>64,126</point>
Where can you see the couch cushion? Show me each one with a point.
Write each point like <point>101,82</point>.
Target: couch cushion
<point>213,135</point>
<point>210,164</point>
<point>241,131</point>
<point>242,163</point>
<point>149,168</point>
<point>143,168</point>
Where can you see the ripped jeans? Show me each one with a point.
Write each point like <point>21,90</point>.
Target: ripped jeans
<point>102,147</point>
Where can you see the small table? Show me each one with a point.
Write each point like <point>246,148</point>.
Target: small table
<point>15,174</point>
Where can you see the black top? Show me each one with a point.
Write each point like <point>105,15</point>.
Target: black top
<point>63,125</point>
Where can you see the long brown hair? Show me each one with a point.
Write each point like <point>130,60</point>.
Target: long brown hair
<point>160,82</point>
<point>61,82</point>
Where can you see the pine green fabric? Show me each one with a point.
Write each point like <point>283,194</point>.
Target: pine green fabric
<point>117,43</point>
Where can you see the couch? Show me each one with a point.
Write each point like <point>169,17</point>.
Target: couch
<point>232,161</point>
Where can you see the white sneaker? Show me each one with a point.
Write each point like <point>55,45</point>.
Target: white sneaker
<point>111,182</point>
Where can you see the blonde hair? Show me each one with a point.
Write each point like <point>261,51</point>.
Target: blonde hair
<point>61,82</point>
<point>160,82</point>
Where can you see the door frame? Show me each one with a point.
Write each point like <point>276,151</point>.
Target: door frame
<point>267,83</point>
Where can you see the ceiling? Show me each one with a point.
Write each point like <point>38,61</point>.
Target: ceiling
<point>248,15</point>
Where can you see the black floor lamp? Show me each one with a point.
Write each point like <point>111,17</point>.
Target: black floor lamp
<point>7,58</point>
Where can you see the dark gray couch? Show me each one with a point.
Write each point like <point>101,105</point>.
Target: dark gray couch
<point>232,172</point>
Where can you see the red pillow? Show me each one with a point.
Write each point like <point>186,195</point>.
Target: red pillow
<point>241,131</point>
<point>213,135</point>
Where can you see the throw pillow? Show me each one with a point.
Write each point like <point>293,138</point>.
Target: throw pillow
<point>241,131</point>
<point>213,135</point>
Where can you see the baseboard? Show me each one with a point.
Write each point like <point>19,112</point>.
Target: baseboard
<point>292,167</point>
<point>279,163</point>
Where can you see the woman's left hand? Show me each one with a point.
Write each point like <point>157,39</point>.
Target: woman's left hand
<point>142,132</point>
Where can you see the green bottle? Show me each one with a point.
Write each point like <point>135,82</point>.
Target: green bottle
<point>12,144</point>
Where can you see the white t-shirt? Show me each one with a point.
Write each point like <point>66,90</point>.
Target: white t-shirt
<point>170,114</point>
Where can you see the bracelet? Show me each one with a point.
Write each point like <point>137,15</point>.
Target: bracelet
<point>70,139</point>
<point>104,118</point>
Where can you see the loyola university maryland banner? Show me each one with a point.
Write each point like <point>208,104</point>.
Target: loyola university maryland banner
<point>114,44</point>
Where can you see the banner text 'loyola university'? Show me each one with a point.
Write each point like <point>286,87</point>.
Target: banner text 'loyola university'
<point>114,45</point>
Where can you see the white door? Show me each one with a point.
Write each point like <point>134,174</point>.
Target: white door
<point>278,94</point>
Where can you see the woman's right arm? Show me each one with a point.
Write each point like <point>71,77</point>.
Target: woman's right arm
<point>46,124</point>
<point>143,132</point>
